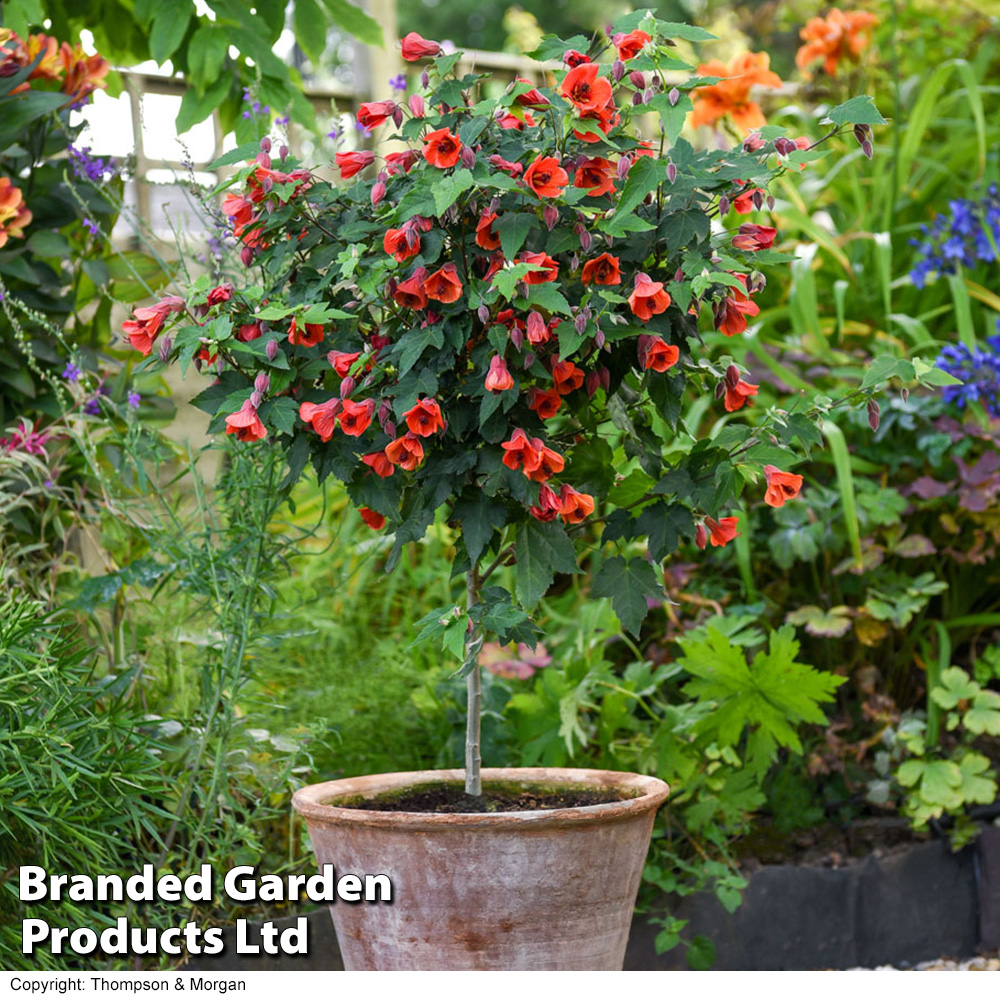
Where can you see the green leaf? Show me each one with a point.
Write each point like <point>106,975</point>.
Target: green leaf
<point>310,24</point>
<point>355,22</point>
<point>832,624</point>
<point>20,110</point>
<point>240,154</point>
<point>21,15</point>
<point>885,367</point>
<point>700,955</point>
<point>414,344</point>
<point>479,517</point>
<point>542,549</point>
<point>627,582</point>
<point>547,296</point>
<point>664,525</point>
<point>195,108</point>
<point>646,175</point>
<point>205,55</point>
<point>671,115</point>
<point>552,47</point>
<point>857,111</point>
<point>448,188</point>
<point>632,488</point>
<point>169,24</point>
<point>681,229</point>
<point>513,229</point>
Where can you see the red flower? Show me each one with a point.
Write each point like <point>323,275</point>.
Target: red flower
<point>595,174</point>
<point>143,329</point>
<point>537,329</point>
<point>424,418</point>
<point>574,506</point>
<point>374,520</point>
<point>781,486</point>
<point>546,178</point>
<point>402,243</point>
<point>751,237</point>
<point>220,294</point>
<point>629,45</point>
<point>545,402</point>
<point>738,395</point>
<point>743,203</point>
<point>547,506</point>
<point>379,462</point>
<point>648,297</point>
<point>656,353</point>
<point>606,119</point>
<point>498,378</point>
<point>723,530</point>
<point>513,169</point>
<point>572,58</point>
<point>550,265</point>
<point>550,463</point>
<point>239,210</point>
<point>531,98</point>
<point>731,313</point>
<point>248,332</point>
<point>245,423</point>
<point>310,338</point>
<point>407,451</point>
<point>410,293</point>
<point>485,237</point>
<point>414,47</point>
<point>603,270</point>
<point>322,416</point>
<point>516,122</point>
<point>441,148</point>
<point>354,418</point>
<point>585,89</point>
<point>400,162</point>
<point>341,361</point>
<point>566,376</point>
<point>522,452</point>
<point>373,113</point>
<point>444,285</point>
<point>352,163</point>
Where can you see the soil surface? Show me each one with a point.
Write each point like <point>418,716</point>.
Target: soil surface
<point>452,799</point>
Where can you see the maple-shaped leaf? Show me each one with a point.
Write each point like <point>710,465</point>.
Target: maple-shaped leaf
<point>984,715</point>
<point>770,696</point>
<point>833,623</point>
<point>955,685</point>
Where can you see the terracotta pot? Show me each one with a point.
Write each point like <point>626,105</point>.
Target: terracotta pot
<point>546,889</point>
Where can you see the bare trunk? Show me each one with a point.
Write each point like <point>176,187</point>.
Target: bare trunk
<point>474,687</point>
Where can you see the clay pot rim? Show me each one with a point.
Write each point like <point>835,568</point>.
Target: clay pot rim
<point>312,802</point>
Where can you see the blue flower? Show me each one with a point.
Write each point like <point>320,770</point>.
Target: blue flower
<point>979,370</point>
<point>71,373</point>
<point>967,235</point>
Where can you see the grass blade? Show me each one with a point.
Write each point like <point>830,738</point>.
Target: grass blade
<point>845,484</point>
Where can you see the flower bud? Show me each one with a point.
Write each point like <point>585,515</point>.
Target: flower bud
<point>516,336</point>
<point>529,360</point>
<point>574,263</point>
<point>623,167</point>
<point>246,255</point>
<point>605,375</point>
<point>637,99</point>
<point>347,386</point>
<point>265,145</point>
<point>390,428</point>
<point>483,312</point>
<point>720,389</point>
<point>753,142</point>
<point>425,79</point>
<point>867,148</point>
<point>724,205</point>
<point>468,158</point>
<point>757,198</point>
<point>671,172</point>
<point>397,116</point>
<point>271,350</point>
<point>732,376</point>
<point>262,382</point>
<point>416,106</point>
<point>599,338</point>
<point>861,133</point>
<point>647,95</point>
<point>592,383</point>
<point>617,70</point>
<point>264,160</point>
<point>256,399</point>
<point>580,322</point>
<point>378,192</point>
<point>267,184</point>
<point>165,344</point>
<point>770,202</point>
<point>784,146</point>
<point>551,216</point>
<point>700,536</point>
<point>283,151</point>
<point>674,95</point>
<point>873,414</point>
<point>679,274</point>
<point>904,394</point>
<point>637,80</point>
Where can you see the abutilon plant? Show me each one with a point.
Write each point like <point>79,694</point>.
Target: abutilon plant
<point>505,320</point>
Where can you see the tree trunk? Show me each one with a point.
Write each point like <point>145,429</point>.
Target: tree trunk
<point>474,687</point>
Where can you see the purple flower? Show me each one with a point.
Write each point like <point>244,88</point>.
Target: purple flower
<point>283,120</point>
<point>71,373</point>
<point>398,82</point>
<point>91,168</point>
<point>979,371</point>
<point>92,407</point>
<point>134,399</point>
<point>92,226</point>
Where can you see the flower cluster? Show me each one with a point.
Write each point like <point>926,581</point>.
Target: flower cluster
<point>979,371</point>
<point>14,215</point>
<point>91,168</point>
<point>732,95</point>
<point>505,315</point>
<point>837,36</point>
<point>967,235</point>
<point>77,75</point>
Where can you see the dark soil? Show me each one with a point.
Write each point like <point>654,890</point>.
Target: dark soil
<point>504,798</point>
<point>826,844</point>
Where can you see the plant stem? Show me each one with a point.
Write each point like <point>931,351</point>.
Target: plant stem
<point>474,687</point>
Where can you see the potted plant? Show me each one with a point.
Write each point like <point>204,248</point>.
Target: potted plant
<point>502,323</point>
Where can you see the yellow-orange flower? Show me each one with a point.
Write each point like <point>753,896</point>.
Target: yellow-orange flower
<point>835,37</point>
<point>49,67</point>
<point>13,214</point>
<point>732,95</point>
<point>84,74</point>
